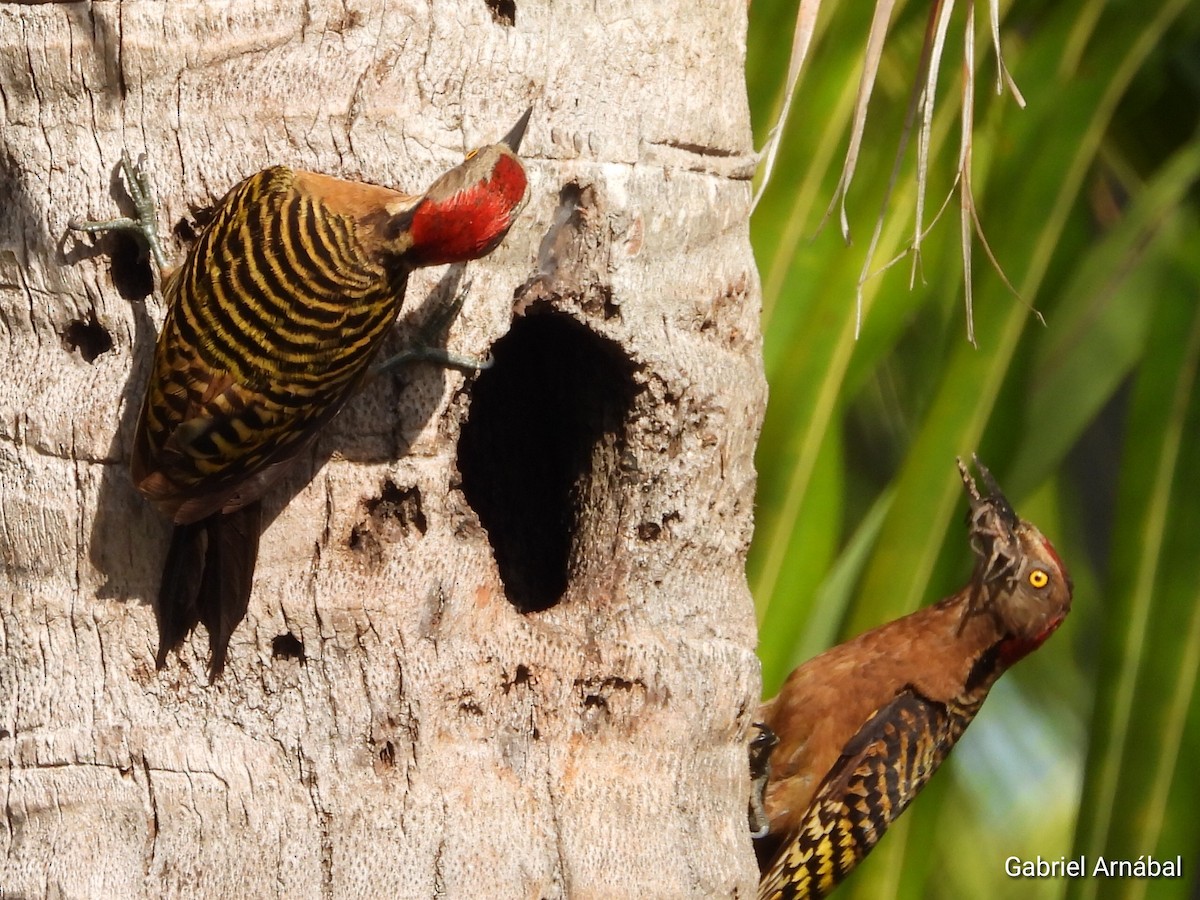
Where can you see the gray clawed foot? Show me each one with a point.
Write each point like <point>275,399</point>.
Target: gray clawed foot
<point>437,356</point>
<point>431,334</point>
<point>141,192</point>
<point>761,746</point>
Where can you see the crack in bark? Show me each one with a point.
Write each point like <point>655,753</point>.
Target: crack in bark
<point>309,781</point>
<point>9,824</point>
<point>154,822</point>
<point>559,850</point>
<point>696,149</point>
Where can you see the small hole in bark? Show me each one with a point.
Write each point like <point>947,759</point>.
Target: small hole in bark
<point>470,708</point>
<point>393,514</point>
<point>202,216</point>
<point>555,401</point>
<point>522,676</point>
<point>287,646</point>
<point>503,11</point>
<point>387,754</point>
<point>88,336</point>
<point>191,226</point>
<point>131,274</point>
<point>649,531</point>
<point>185,231</point>
<point>652,531</point>
<point>399,505</point>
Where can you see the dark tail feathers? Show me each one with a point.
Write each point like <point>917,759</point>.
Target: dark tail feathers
<point>207,579</point>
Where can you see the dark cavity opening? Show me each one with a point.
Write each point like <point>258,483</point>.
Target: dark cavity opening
<point>504,12</point>
<point>539,451</point>
<point>287,646</point>
<point>87,336</point>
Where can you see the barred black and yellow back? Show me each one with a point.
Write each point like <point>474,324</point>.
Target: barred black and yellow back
<point>881,770</point>
<point>272,321</point>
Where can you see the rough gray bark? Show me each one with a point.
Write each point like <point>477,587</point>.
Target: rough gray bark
<point>392,722</point>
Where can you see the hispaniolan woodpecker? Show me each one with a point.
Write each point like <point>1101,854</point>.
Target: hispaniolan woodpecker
<point>272,322</point>
<point>863,726</point>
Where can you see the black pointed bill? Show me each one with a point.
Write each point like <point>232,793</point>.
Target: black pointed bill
<point>512,140</point>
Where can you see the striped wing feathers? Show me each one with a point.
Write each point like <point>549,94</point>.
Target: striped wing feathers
<point>881,769</point>
<point>272,321</point>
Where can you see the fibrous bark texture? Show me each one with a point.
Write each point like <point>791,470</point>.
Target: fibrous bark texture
<point>500,642</point>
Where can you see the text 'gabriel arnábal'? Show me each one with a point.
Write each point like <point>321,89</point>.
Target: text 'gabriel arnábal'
<point>1144,866</point>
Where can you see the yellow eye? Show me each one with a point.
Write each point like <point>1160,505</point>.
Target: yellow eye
<point>470,154</point>
<point>1038,579</point>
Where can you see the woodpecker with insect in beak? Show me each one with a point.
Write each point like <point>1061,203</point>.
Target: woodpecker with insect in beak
<point>863,726</point>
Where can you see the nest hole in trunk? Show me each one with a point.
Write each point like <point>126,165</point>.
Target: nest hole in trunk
<point>541,449</point>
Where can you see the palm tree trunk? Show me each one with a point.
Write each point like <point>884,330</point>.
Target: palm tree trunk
<point>500,641</point>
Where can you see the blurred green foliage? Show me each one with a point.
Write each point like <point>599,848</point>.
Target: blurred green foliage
<point>1089,200</point>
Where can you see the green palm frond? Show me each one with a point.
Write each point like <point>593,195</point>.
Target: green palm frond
<point>1092,423</point>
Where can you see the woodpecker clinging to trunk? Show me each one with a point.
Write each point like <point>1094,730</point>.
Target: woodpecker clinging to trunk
<point>272,322</point>
<point>863,726</point>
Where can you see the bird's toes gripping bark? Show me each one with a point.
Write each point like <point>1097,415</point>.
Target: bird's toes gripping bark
<point>432,335</point>
<point>760,772</point>
<point>141,192</point>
